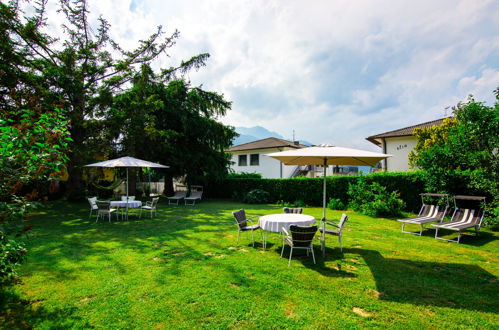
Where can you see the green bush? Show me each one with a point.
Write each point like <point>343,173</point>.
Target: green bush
<point>298,203</point>
<point>12,254</point>
<point>374,200</point>
<point>309,190</point>
<point>336,204</point>
<point>257,196</point>
<point>244,175</point>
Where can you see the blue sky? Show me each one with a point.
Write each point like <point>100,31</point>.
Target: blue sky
<point>334,71</point>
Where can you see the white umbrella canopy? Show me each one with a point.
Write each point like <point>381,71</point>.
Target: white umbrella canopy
<point>126,162</point>
<point>328,155</point>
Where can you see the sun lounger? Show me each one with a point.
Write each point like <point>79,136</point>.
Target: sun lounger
<point>463,218</point>
<point>196,194</point>
<point>173,200</point>
<point>427,214</point>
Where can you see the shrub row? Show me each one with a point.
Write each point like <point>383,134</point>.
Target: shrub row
<point>309,190</point>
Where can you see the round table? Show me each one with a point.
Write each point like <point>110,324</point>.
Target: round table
<point>275,223</point>
<point>131,204</point>
<point>126,205</point>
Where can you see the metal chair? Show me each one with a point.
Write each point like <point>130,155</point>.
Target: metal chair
<point>242,224</point>
<point>104,208</point>
<point>150,206</point>
<point>301,238</point>
<point>335,232</point>
<point>296,210</point>
<point>93,205</point>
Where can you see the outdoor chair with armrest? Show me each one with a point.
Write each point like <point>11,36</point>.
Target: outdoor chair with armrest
<point>93,205</point>
<point>150,206</point>
<point>463,218</point>
<point>301,237</point>
<point>427,214</point>
<point>296,210</point>
<point>104,208</point>
<point>242,224</point>
<point>130,198</point>
<point>338,231</point>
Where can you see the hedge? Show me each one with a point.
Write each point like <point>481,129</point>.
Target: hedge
<point>309,190</point>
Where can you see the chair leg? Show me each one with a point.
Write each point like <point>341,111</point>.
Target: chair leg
<point>238,234</point>
<point>253,238</point>
<point>282,250</point>
<point>290,255</point>
<point>90,215</point>
<point>313,255</point>
<point>339,239</point>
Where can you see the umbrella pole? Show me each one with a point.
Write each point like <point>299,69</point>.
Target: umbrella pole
<point>324,192</point>
<point>127,193</point>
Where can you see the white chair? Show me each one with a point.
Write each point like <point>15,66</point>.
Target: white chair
<point>103,209</point>
<point>335,232</point>
<point>93,205</point>
<point>130,198</point>
<point>151,206</point>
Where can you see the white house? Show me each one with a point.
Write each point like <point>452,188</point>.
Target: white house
<point>399,143</point>
<point>250,158</point>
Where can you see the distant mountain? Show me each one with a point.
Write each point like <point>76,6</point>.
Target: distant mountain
<point>250,134</point>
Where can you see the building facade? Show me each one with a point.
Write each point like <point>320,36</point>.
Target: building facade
<point>251,158</point>
<point>399,143</point>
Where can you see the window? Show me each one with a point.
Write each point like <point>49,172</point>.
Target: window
<point>243,161</point>
<point>255,160</point>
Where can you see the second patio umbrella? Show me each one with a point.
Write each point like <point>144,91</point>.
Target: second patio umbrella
<point>126,162</point>
<point>328,155</point>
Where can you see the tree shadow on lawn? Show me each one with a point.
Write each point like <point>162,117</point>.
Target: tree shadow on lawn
<point>18,313</point>
<point>451,285</point>
<point>70,235</point>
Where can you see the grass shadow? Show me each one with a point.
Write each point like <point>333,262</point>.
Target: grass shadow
<point>19,313</point>
<point>451,285</point>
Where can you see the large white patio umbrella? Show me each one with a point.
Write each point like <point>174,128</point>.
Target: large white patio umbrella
<point>328,155</point>
<point>126,162</point>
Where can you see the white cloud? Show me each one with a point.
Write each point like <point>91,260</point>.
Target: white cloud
<point>335,71</point>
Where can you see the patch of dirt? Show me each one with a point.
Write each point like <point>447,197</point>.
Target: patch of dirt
<point>87,299</point>
<point>289,309</point>
<point>350,267</point>
<point>244,250</point>
<point>159,259</point>
<point>210,254</point>
<point>357,246</point>
<point>376,293</point>
<point>232,248</point>
<point>359,311</point>
<point>235,285</point>
<point>221,256</point>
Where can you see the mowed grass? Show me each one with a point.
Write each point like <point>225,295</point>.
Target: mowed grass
<point>183,269</point>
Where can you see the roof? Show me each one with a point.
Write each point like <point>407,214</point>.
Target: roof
<point>406,131</point>
<point>267,143</point>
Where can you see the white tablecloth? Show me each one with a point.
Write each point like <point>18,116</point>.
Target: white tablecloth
<point>275,222</point>
<point>131,204</point>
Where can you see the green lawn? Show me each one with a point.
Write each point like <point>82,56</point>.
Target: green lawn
<point>183,269</point>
